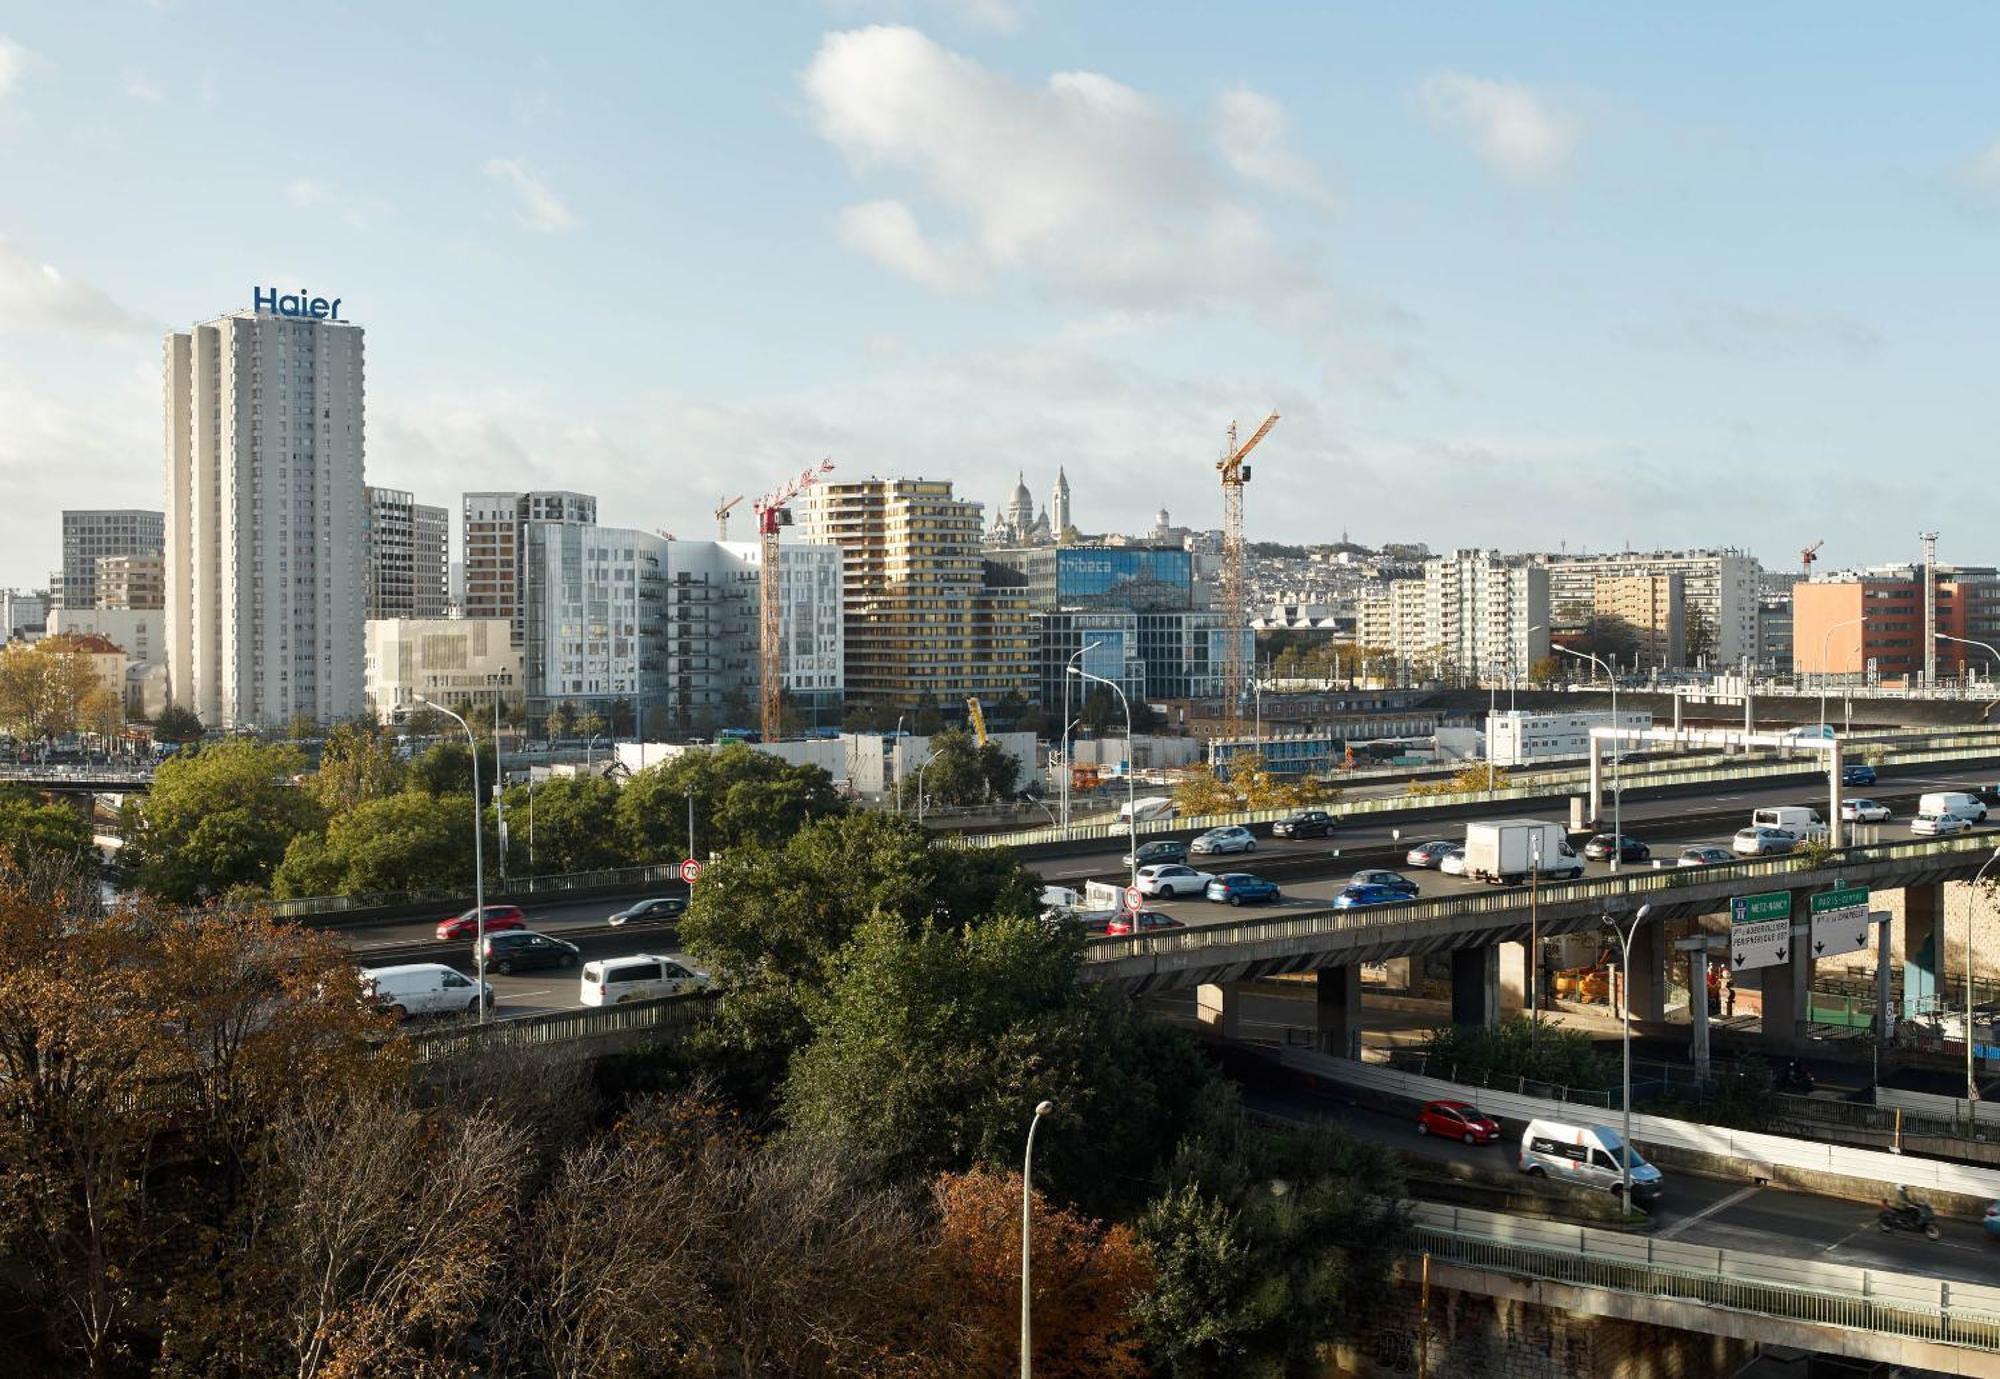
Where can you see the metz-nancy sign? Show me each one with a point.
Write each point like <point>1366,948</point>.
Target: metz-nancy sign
<point>1760,930</point>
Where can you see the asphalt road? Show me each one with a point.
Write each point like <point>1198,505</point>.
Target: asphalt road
<point>1696,1210</point>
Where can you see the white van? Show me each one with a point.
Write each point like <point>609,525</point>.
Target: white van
<point>421,988</point>
<point>638,977</point>
<point>1588,1156</point>
<point>1956,803</point>
<point>1795,819</point>
<point>1149,809</point>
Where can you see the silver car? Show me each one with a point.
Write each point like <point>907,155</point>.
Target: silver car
<point>1760,840</point>
<point>1228,838</point>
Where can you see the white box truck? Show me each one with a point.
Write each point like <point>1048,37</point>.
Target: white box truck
<point>1149,809</point>
<point>1506,851</point>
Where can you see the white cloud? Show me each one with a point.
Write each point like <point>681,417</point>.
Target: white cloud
<point>14,62</point>
<point>540,209</point>
<point>37,296</point>
<point>1084,187</point>
<point>141,87</point>
<point>994,16</point>
<point>1251,130</point>
<point>303,191</point>
<point>1512,127</point>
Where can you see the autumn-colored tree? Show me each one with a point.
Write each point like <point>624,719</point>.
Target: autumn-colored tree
<point>44,687</point>
<point>358,763</point>
<point>1086,1278</point>
<point>1201,792</point>
<point>1468,780</point>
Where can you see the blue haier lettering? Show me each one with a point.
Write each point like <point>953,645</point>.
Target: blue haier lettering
<point>297,305</point>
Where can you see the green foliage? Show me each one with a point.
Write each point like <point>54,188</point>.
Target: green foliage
<point>31,828</point>
<point>741,796</point>
<point>1516,1048</point>
<point>1268,1243</point>
<point>1475,777</point>
<point>445,768</point>
<point>399,842</point>
<point>177,723</point>
<point>575,825</point>
<point>357,763</point>
<point>1740,1093</point>
<point>962,773</point>
<point>222,817</point>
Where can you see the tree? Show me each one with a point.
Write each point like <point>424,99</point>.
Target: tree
<point>31,828</point>
<point>575,825</point>
<point>357,763</point>
<point>1469,779</point>
<point>221,818</point>
<point>445,768</point>
<point>302,726</point>
<point>401,842</point>
<point>1698,636</point>
<point>177,723</point>
<point>562,720</point>
<point>926,718</point>
<point>962,773</point>
<point>1086,1278</point>
<point>742,797</point>
<point>43,687</point>
<point>101,712</point>
<point>1546,671</point>
<point>1201,793</point>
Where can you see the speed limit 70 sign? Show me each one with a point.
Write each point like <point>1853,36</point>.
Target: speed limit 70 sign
<point>690,869</point>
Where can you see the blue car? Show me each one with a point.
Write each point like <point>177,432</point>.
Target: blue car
<point>1859,774</point>
<point>1355,897</point>
<point>1240,887</point>
<point>1392,880</point>
<point>1992,1221</point>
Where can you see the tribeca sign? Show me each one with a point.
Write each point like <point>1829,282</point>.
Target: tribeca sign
<point>297,305</point>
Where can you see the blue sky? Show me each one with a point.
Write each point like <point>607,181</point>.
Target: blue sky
<point>1524,276</point>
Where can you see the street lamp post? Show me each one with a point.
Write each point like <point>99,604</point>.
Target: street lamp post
<point>1617,751</point>
<point>920,786</point>
<point>587,751</point>
<point>1493,705</point>
<point>1027,1199</point>
<point>896,757</point>
<point>1067,725</point>
<point>1825,650</point>
<point>690,798</point>
<point>1131,803</point>
<point>1624,937</point>
<point>478,855</point>
<point>499,790</point>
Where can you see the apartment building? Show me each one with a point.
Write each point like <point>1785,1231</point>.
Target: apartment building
<point>921,621</point>
<point>132,582</point>
<point>1485,617</point>
<point>91,534</point>
<point>1869,624</point>
<point>265,531</point>
<point>1719,591</point>
<point>409,545</point>
<point>495,547</point>
<point>468,664</point>
<point>1651,610</point>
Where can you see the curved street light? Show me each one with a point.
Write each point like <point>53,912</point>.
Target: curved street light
<point>1825,650</point>
<point>1067,725</point>
<point>1624,937</point>
<point>478,852</point>
<point>1131,802</point>
<point>1027,1198</point>
<point>1617,753</point>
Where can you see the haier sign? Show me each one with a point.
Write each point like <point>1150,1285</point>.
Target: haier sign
<point>296,305</point>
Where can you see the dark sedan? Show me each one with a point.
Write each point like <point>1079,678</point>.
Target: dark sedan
<point>1628,848</point>
<point>524,948</point>
<point>1241,888</point>
<point>1388,880</point>
<point>1307,823</point>
<point>659,907</point>
<point>1159,850</point>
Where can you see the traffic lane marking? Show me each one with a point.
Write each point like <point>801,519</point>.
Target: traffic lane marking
<point>1713,1208</point>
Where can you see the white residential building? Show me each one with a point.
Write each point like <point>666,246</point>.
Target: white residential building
<point>463,663</point>
<point>1485,617</point>
<point>1516,737</point>
<point>495,547</point>
<point>266,532</point>
<point>1719,593</point>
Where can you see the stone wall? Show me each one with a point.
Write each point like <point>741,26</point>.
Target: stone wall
<point>1476,1337</point>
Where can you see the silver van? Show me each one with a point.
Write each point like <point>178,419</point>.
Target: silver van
<point>421,988</point>
<point>1588,1156</point>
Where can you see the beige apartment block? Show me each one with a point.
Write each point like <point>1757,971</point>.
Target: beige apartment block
<point>460,662</point>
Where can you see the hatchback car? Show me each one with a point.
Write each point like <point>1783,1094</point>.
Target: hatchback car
<point>1159,850</point>
<point>1865,812</point>
<point>1858,774</point>
<point>1391,880</point>
<point>498,919</point>
<point>1240,887</point>
<point>1307,823</point>
<point>1706,855</point>
<point>1761,841</point>
<point>1166,882</point>
<point>1458,1120</point>
<point>1359,897</point>
<point>1428,854</point>
<point>659,907</point>
<point>1453,862</point>
<point>524,948</point>
<point>1229,838</point>
<point>1992,1220</point>
<point>1938,825</point>
<point>1628,848</point>
<point>1149,922</point>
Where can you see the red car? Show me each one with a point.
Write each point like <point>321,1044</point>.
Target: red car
<point>498,919</point>
<point>1458,1120</point>
<point>1150,921</point>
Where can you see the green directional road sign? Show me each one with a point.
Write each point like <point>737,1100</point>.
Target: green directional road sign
<point>1760,930</point>
<point>1840,921</point>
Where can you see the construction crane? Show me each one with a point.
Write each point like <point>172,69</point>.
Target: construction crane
<point>722,517</point>
<point>772,516</point>
<point>1235,474</point>
<point>1810,554</point>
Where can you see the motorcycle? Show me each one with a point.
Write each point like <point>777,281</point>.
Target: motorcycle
<point>1797,1077</point>
<point>1908,1215</point>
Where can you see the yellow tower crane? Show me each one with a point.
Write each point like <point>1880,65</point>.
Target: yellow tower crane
<point>773,516</point>
<point>722,517</point>
<point>1235,474</point>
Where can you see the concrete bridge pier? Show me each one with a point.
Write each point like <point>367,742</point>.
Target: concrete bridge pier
<point>1923,945</point>
<point>1337,1010</point>
<point>1219,1008</point>
<point>1646,1002</point>
<point>1787,986</point>
<point>1513,978</point>
<point>1475,985</point>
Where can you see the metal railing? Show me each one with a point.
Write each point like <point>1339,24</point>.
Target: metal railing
<point>1312,923</point>
<point>1924,1309</point>
<point>666,873</point>
<point>666,1015</point>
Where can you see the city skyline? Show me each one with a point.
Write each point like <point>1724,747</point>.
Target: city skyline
<point>954,241</point>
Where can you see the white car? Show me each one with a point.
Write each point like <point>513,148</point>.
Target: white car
<point>1939,824</point>
<point>1865,812</point>
<point>1453,862</point>
<point>1229,838</point>
<point>1169,879</point>
<point>1760,839</point>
